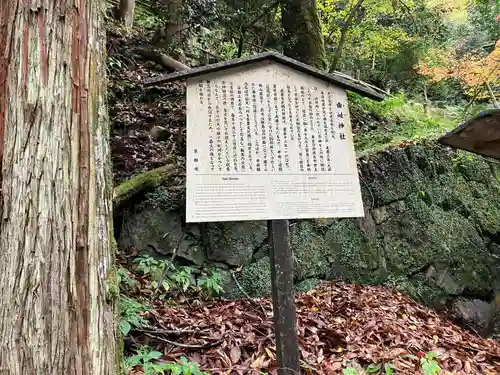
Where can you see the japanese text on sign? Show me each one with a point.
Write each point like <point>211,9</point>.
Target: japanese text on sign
<point>269,143</point>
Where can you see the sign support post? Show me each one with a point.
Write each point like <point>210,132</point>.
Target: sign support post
<point>285,320</point>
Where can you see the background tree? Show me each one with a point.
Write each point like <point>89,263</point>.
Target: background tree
<point>176,26</point>
<point>471,57</point>
<point>250,17</point>
<point>56,312</point>
<point>302,29</point>
<point>126,12</point>
<point>174,30</point>
<point>345,16</point>
<point>477,74</point>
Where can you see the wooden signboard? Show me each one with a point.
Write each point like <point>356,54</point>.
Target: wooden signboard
<point>269,138</point>
<point>266,142</point>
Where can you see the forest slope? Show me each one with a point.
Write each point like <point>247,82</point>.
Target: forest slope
<point>340,325</point>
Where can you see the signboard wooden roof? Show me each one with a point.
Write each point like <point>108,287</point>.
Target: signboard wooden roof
<point>480,135</point>
<point>338,79</point>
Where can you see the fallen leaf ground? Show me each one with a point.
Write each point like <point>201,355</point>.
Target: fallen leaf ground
<point>339,325</point>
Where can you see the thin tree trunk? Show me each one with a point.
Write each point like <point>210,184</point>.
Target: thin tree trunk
<point>426,100</point>
<point>126,12</point>
<point>176,25</point>
<point>175,31</point>
<point>240,44</point>
<point>304,40</point>
<point>56,313</point>
<point>493,97</point>
<point>343,34</point>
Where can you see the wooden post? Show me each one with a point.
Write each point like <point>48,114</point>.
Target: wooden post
<point>285,320</point>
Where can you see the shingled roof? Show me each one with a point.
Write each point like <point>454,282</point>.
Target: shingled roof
<point>338,79</point>
<point>480,134</point>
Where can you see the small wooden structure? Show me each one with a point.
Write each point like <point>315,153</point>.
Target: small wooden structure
<point>480,135</point>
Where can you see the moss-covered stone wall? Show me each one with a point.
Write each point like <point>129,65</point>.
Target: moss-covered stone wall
<point>432,219</point>
<point>431,228</point>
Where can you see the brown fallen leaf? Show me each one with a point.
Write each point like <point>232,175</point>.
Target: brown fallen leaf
<point>334,366</point>
<point>257,364</point>
<point>235,354</point>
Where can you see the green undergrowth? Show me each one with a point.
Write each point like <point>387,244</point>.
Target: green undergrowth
<point>144,283</point>
<point>150,280</point>
<point>426,362</point>
<point>400,120</point>
<point>147,359</point>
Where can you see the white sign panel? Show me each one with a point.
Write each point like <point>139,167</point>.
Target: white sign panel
<point>267,142</point>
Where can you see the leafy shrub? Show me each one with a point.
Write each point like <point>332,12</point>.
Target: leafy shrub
<point>127,279</point>
<point>166,279</point>
<point>427,363</point>
<point>210,284</point>
<point>145,358</point>
<point>130,317</point>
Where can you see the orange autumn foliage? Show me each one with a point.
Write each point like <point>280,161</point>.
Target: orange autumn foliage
<point>473,71</point>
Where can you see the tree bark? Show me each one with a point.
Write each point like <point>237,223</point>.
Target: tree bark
<point>304,40</point>
<point>57,314</point>
<point>126,12</point>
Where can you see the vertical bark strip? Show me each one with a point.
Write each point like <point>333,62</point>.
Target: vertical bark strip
<point>26,46</point>
<point>43,47</point>
<point>56,234</point>
<point>5,14</point>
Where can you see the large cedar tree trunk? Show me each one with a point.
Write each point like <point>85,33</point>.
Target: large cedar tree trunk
<point>56,313</point>
<point>304,40</point>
